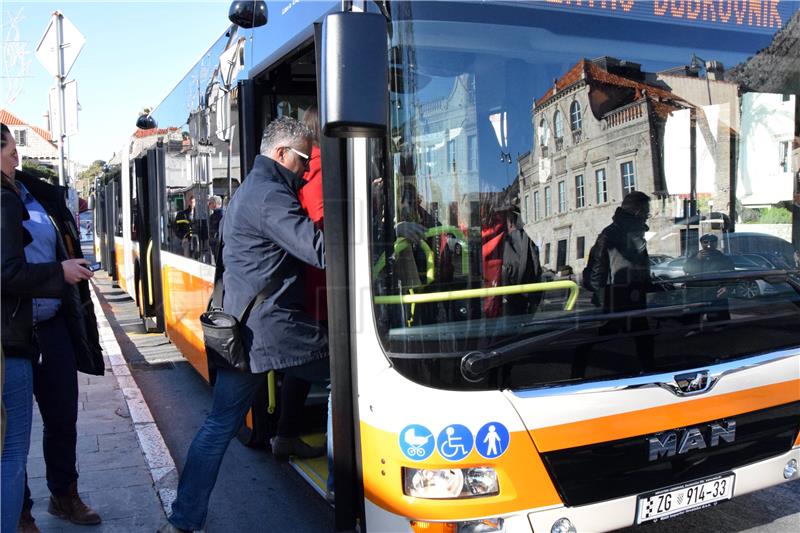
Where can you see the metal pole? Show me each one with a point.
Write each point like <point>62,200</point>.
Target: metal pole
<point>62,173</point>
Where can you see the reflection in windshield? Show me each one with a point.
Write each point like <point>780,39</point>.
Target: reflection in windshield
<point>527,150</point>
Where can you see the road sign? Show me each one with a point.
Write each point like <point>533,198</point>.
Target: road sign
<point>47,50</point>
<point>70,109</point>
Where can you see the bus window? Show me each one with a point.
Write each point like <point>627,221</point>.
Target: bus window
<point>644,116</point>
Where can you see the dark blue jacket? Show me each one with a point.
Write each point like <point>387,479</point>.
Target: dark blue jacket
<point>268,235</point>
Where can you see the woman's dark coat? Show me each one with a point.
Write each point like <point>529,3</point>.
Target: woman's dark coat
<point>76,301</point>
<point>22,281</point>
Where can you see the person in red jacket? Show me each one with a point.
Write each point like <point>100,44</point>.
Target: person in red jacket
<point>310,197</point>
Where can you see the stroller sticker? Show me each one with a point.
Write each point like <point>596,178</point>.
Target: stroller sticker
<point>454,442</point>
<point>416,442</point>
<point>492,440</point>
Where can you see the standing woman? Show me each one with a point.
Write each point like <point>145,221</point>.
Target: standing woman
<point>22,281</point>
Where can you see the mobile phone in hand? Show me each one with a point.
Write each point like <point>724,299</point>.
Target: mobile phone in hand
<point>94,267</point>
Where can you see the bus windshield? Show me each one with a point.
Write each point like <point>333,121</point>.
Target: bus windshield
<point>576,191</point>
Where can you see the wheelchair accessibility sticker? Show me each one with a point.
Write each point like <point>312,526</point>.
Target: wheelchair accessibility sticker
<point>492,440</point>
<point>454,442</point>
<point>416,442</point>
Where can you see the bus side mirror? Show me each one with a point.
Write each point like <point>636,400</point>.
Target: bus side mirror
<point>248,13</point>
<point>354,75</point>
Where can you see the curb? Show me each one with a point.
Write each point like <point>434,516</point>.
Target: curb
<point>159,460</point>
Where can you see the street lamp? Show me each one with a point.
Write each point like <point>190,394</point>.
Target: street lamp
<point>700,63</point>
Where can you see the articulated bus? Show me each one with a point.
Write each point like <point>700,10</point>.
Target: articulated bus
<point>481,381</point>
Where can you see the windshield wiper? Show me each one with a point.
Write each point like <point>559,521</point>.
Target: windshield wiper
<point>476,363</point>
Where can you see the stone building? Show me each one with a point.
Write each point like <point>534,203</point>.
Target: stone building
<point>33,142</point>
<point>607,128</point>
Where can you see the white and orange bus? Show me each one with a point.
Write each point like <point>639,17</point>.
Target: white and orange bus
<point>473,391</point>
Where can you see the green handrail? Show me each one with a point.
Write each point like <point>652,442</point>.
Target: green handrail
<point>462,239</point>
<point>401,244</point>
<point>486,292</point>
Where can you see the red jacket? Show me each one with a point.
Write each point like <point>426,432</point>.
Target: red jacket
<point>311,199</point>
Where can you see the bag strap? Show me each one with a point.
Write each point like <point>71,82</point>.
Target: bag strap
<point>265,293</point>
<point>219,268</point>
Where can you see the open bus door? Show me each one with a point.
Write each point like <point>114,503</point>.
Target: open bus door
<point>147,173</point>
<point>110,211</point>
<point>100,226</point>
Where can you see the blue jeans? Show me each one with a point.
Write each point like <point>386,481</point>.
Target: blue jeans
<point>18,402</point>
<point>233,395</point>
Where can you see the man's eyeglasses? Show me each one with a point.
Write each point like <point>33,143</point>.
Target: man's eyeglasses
<point>306,159</point>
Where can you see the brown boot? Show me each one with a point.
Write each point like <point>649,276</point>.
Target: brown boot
<point>72,508</point>
<point>27,524</point>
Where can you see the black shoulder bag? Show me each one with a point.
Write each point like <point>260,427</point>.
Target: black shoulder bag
<point>222,331</point>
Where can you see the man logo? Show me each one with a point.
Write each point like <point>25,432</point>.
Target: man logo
<point>668,444</point>
<point>693,382</point>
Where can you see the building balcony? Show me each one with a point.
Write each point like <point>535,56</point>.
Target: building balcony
<point>630,113</point>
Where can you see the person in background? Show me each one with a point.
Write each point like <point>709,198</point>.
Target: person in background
<point>618,273</point>
<point>311,199</point>
<point>47,313</point>
<point>268,237</point>
<point>185,226</point>
<point>214,220</point>
<point>705,261</point>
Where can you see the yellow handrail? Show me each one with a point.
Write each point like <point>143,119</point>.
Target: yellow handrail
<point>272,401</point>
<point>486,292</point>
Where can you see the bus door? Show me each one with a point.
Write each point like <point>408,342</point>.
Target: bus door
<point>149,264</point>
<point>100,226</point>
<point>110,225</point>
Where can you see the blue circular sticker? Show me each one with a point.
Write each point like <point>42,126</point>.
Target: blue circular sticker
<point>492,440</point>
<point>416,442</point>
<point>454,442</point>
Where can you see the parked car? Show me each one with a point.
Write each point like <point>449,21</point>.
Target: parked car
<point>657,259</point>
<point>758,243</point>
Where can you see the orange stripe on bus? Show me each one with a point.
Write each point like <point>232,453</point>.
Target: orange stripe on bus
<point>691,411</point>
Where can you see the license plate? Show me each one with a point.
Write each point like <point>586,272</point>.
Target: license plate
<point>674,501</point>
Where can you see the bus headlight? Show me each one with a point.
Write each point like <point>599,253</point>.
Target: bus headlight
<point>450,482</point>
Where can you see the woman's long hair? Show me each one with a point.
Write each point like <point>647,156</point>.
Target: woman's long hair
<point>5,138</point>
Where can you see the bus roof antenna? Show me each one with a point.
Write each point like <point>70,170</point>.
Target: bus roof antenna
<point>248,14</point>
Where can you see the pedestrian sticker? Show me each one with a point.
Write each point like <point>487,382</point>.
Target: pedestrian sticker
<point>492,440</point>
<point>454,442</point>
<point>416,442</point>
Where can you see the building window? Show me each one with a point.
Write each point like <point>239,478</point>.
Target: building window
<point>580,248</point>
<point>575,118</point>
<point>537,210</point>
<point>783,155</point>
<point>544,133</point>
<point>562,197</point>
<point>527,208</point>
<point>558,124</point>
<point>21,137</point>
<point>628,178</point>
<point>580,192</point>
<point>472,156</point>
<point>547,253</point>
<point>548,206</point>
<point>602,187</point>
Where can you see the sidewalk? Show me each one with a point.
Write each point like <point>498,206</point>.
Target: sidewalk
<point>126,472</point>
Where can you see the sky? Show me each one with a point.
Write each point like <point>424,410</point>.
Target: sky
<point>134,54</point>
